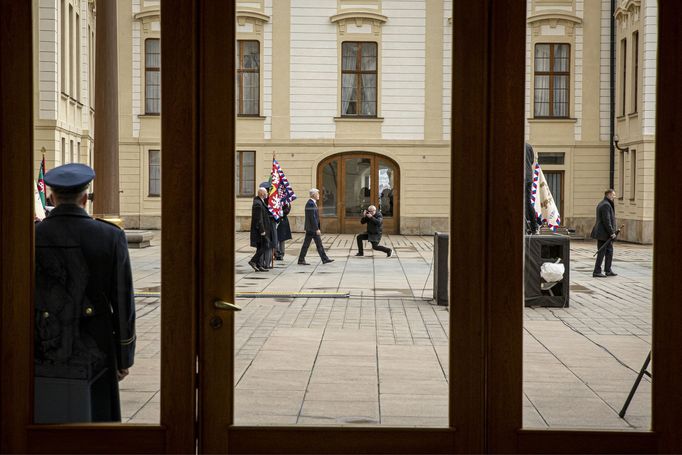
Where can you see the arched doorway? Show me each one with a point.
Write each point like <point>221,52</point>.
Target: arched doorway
<point>349,183</point>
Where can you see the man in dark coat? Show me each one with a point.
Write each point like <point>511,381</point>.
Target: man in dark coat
<point>260,230</point>
<point>84,303</point>
<point>374,222</point>
<point>605,232</point>
<point>312,230</point>
<point>283,231</point>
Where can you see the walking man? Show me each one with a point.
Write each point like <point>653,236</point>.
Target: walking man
<point>312,229</point>
<point>374,222</point>
<point>85,311</point>
<point>605,232</point>
<point>260,230</point>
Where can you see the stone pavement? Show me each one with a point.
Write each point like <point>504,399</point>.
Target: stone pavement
<point>380,356</point>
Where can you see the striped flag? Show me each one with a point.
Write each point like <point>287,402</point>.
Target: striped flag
<point>280,190</point>
<point>41,182</point>
<point>542,200</point>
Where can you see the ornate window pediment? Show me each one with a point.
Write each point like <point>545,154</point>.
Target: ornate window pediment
<point>554,19</point>
<point>628,11</point>
<point>358,19</point>
<point>148,16</point>
<point>247,15</point>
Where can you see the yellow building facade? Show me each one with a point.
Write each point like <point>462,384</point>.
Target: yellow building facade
<point>63,100</point>
<point>353,98</point>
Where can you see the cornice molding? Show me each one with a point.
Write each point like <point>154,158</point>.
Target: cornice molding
<point>359,15</point>
<point>244,14</point>
<point>554,16</point>
<point>148,14</point>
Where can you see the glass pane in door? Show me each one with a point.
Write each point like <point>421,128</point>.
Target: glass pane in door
<point>329,190</point>
<point>386,185</point>
<point>358,185</point>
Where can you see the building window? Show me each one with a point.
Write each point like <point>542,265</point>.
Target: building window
<point>78,152</point>
<point>246,174</point>
<point>552,77</point>
<point>633,175</point>
<point>621,175</point>
<point>78,57</point>
<point>72,65</point>
<point>63,42</point>
<point>624,73</point>
<point>551,158</point>
<point>71,155</point>
<point>152,76</point>
<point>91,66</point>
<point>248,77</point>
<point>635,70</point>
<point>359,80</point>
<point>155,173</point>
<point>63,151</point>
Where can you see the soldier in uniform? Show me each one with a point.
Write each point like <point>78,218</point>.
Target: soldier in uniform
<point>85,309</point>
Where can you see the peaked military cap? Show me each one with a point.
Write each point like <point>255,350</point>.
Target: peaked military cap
<point>72,177</point>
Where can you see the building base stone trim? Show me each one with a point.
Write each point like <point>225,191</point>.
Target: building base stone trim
<point>635,231</point>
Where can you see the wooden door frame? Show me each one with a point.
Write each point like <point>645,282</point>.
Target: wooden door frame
<point>375,161</point>
<point>176,430</point>
<point>504,325</point>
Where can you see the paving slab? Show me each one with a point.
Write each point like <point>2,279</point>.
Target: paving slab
<point>381,356</point>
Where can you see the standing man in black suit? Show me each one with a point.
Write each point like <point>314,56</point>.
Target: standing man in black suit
<point>260,229</point>
<point>312,229</point>
<point>604,231</point>
<point>84,305</point>
<point>374,222</point>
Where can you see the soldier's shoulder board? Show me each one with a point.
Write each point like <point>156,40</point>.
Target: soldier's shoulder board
<point>108,222</point>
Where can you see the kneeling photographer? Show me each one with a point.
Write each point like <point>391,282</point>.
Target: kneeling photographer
<point>374,222</point>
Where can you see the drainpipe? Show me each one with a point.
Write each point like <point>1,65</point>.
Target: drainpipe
<point>612,96</point>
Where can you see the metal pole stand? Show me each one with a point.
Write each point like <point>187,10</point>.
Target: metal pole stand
<point>642,372</point>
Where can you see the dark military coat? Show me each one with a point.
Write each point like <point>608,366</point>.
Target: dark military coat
<point>606,220</point>
<point>283,227</point>
<point>107,282</point>
<point>374,226</point>
<point>260,222</point>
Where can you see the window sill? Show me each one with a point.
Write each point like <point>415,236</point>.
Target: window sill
<point>621,118</point>
<point>359,119</point>
<point>149,116</point>
<point>633,115</point>
<point>552,120</point>
<point>250,117</point>
<point>244,196</point>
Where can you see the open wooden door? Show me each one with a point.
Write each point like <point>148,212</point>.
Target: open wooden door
<point>175,431</point>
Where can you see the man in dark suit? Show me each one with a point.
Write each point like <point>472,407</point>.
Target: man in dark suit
<point>85,310</point>
<point>374,222</point>
<point>260,229</point>
<point>312,230</point>
<point>605,232</point>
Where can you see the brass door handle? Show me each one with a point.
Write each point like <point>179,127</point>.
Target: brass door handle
<point>221,305</point>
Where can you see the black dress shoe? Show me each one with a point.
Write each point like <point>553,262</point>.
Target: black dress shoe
<point>611,274</point>
<point>327,261</point>
<point>254,266</point>
<point>390,252</point>
<point>359,254</point>
<point>303,263</point>
<point>598,275</point>
<point>263,269</point>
